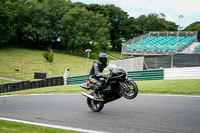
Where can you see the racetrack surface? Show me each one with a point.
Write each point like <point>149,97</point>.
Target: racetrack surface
<point>145,113</point>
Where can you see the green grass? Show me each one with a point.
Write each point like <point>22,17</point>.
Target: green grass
<point>10,59</point>
<point>16,127</point>
<point>5,81</point>
<point>178,87</point>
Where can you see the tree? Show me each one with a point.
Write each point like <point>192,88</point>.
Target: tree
<point>155,22</point>
<point>73,26</point>
<point>117,22</point>
<point>141,21</point>
<point>194,27</point>
<point>83,29</point>
<point>19,18</point>
<point>38,29</point>
<point>56,10</point>
<point>171,26</point>
<point>36,23</point>
<point>131,29</point>
<point>121,27</point>
<point>6,28</point>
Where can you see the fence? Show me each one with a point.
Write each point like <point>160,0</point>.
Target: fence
<point>24,85</point>
<point>182,73</point>
<point>146,75</point>
<point>77,79</point>
<point>135,75</point>
<point>175,73</point>
<point>160,74</point>
<point>137,39</point>
<point>166,61</point>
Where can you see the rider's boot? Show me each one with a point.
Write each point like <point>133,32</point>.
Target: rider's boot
<point>95,93</point>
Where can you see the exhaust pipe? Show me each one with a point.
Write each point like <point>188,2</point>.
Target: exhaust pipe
<point>87,95</point>
<point>91,97</point>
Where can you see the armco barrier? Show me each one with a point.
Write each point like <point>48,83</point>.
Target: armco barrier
<point>146,75</point>
<point>24,85</point>
<point>77,79</point>
<point>135,75</point>
<point>182,73</point>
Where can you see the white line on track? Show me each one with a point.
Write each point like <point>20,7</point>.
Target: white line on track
<point>6,96</point>
<point>52,126</point>
<point>166,95</point>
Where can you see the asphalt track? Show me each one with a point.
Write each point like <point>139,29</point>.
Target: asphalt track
<point>144,114</point>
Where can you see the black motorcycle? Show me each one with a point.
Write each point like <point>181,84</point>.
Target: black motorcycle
<point>115,85</point>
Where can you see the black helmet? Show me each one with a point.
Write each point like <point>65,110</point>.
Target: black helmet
<point>103,58</point>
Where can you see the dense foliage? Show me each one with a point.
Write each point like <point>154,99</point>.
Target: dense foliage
<point>74,27</point>
<point>194,27</point>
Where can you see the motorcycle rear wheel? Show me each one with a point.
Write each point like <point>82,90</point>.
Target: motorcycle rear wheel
<point>132,92</point>
<point>95,106</point>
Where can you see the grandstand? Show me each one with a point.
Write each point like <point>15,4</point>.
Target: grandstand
<point>163,43</point>
<point>197,48</point>
<point>165,49</point>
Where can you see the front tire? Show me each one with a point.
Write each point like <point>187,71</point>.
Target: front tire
<point>131,90</point>
<point>95,106</point>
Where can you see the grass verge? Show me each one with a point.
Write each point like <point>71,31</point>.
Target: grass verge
<point>16,127</point>
<point>178,87</point>
<point>5,81</point>
<point>12,58</point>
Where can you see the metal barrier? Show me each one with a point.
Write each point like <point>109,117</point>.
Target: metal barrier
<point>77,79</point>
<point>24,85</point>
<point>135,75</point>
<point>176,73</point>
<point>146,75</point>
<point>182,73</point>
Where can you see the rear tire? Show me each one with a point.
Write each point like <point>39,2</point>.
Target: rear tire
<point>95,106</point>
<point>132,92</point>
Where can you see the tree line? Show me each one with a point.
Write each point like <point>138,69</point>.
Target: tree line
<point>74,27</point>
<point>194,27</point>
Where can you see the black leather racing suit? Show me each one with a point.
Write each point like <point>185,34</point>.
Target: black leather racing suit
<point>96,74</point>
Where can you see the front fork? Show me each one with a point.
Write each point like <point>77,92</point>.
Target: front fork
<point>124,87</point>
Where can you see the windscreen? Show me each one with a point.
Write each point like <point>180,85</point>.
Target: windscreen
<point>112,66</point>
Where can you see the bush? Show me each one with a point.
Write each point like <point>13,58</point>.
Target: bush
<point>49,56</point>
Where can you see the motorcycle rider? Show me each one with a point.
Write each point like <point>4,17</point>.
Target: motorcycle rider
<point>95,76</point>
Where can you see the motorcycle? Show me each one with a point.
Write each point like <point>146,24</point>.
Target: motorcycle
<point>115,85</point>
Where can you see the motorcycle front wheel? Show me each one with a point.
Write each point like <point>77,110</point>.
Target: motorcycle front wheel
<point>95,106</point>
<point>131,90</point>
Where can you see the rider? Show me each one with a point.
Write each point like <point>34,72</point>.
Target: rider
<point>95,76</point>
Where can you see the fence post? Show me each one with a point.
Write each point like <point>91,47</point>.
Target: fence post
<point>65,76</point>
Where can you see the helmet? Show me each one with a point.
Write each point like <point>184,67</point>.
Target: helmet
<point>103,58</point>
